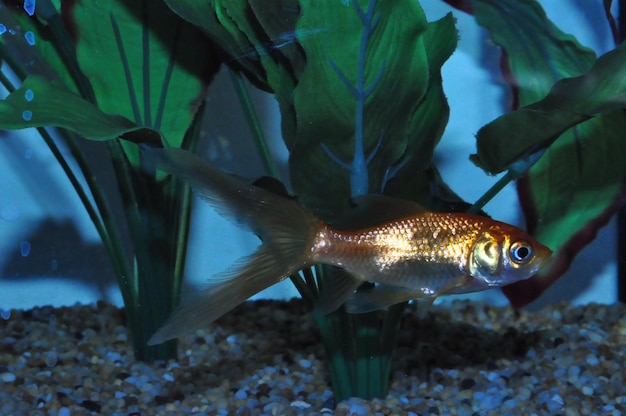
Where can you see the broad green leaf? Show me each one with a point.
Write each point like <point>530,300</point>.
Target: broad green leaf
<point>573,189</point>
<point>347,87</point>
<point>428,121</point>
<point>37,55</point>
<point>143,61</point>
<point>570,102</point>
<point>40,103</point>
<point>208,16</point>
<point>255,35</point>
<point>539,52</point>
<point>259,39</point>
<point>355,97</point>
<point>278,19</point>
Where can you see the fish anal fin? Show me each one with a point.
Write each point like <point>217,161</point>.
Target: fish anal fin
<point>381,297</point>
<point>384,295</point>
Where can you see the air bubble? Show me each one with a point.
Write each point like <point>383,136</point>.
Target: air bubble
<point>24,248</point>
<point>29,95</point>
<point>3,29</point>
<point>30,37</point>
<point>27,115</point>
<point>29,7</point>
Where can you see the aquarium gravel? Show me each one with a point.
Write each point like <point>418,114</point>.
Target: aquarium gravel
<point>266,357</point>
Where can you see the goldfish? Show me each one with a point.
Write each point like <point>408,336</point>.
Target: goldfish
<point>413,254</point>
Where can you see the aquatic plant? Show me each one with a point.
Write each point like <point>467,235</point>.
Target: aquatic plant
<point>135,60</point>
<point>359,88</point>
<point>568,124</point>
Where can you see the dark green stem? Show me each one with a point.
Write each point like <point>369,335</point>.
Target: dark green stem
<point>307,291</point>
<point>121,262</point>
<point>331,328</point>
<point>304,289</point>
<point>67,51</point>
<point>101,219</point>
<point>309,278</point>
<point>182,199</point>
<point>492,192</point>
<point>359,347</point>
<point>151,282</point>
<point>255,125</point>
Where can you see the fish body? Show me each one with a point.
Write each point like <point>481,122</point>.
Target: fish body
<point>416,254</point>
<point>430,254</point>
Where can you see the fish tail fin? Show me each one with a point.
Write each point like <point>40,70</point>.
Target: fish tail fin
<point>286,229</point>
<point>267,266</point>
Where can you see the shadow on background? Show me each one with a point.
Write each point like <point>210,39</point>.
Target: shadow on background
<point>55,249</point>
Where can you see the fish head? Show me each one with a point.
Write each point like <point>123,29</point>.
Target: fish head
<point>503,254</point>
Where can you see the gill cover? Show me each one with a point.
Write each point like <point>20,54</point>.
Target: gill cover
<point>486,257</point>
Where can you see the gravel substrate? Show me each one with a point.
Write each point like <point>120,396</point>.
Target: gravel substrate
<point>266,358</point>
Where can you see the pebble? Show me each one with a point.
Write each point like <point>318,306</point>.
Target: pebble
<point>300,404</point>
<point>465,359</point>
<point>7,377</point>
<point>592,360</point>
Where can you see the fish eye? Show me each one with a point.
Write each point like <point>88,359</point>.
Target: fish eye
<point>520,251</point>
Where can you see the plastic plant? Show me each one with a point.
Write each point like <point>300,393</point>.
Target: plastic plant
<point>355,120</point>
<point>359,88</point>
<point>135,60</point>
<point>568,125</point>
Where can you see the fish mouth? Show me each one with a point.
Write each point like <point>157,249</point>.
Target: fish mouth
<point>544,256</point>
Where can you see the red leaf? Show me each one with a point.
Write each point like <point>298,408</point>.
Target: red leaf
<point>462,5</point>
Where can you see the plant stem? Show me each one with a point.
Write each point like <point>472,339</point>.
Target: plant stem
<point>492,192</point>
<point>302,286</point>
<point>255,125</point>
<point>127,278</point>
<point>308,291</point>
<point>359,347</point>
<point>182,200</point>
<point>331,327</point>
<point>66,47</point>
<point>102,222</point>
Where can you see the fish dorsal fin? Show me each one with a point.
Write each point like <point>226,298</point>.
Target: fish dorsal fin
<point>370,210</point>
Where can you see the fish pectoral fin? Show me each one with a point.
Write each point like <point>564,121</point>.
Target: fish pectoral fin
<point>380,297</point>
<point>339,287</point>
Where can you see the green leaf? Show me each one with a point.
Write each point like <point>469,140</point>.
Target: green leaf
<point>539,52</point>
<point>41,58</point>
<point>144,62</point>
<point>360,97</point>
<point>335,127</point>
<point>429,120</point>
<point>259,39</point>
<point>570,102</point>
<point>576,185</point>
<point>571,193</point>
<point>39,103</point>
